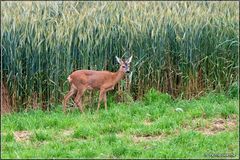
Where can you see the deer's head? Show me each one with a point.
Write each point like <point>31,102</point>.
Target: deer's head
<point>124,64</point>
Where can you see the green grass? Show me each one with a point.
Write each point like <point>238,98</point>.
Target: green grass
<point>143,129</point>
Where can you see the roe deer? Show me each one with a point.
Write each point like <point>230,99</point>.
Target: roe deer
<point>82,80</point>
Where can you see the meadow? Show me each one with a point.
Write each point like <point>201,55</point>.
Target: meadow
<point>152,128</point>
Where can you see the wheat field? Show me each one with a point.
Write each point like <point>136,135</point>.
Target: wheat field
<point>181,48</point>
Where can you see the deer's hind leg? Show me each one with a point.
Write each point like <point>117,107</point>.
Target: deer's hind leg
<point>72,91</point>
<point>105,100</point>
<point>101,96</point>
<point>78,98</point>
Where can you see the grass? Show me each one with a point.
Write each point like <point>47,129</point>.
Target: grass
<point>143,129</point>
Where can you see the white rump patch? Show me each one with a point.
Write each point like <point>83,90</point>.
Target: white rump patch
<point>69,79</point>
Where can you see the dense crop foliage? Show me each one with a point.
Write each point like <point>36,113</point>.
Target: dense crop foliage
<point>177,47</point>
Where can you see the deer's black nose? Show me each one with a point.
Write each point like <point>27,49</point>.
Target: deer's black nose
<point>128,72</point>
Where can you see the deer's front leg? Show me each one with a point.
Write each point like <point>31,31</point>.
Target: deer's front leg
<point>105,96</point>
<point>101,95</point>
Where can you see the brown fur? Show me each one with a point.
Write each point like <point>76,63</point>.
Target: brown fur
<point>82,80</point>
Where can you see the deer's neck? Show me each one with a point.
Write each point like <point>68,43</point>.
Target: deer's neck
<point>117,76</point>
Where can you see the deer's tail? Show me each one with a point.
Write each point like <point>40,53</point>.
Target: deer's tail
<point>69,79</point>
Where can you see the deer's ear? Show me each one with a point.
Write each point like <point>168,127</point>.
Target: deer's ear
<point>129,60</point>
<point>119,60</point>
